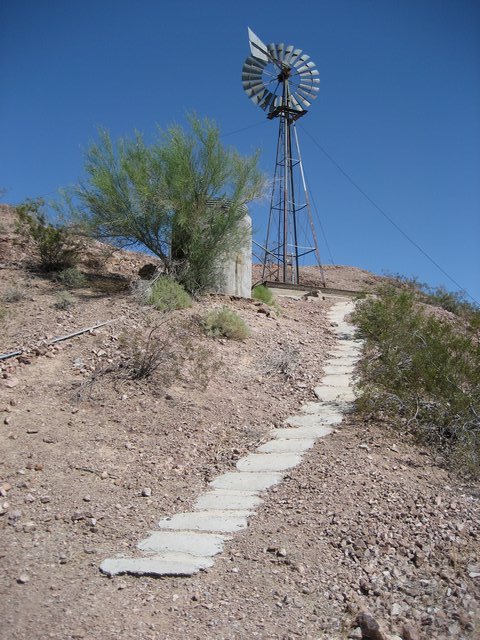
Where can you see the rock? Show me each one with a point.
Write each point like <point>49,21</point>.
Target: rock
<point>29,498</point>
<point>4,506</point>
<point>23,579</point>
<point>146,492</point>
<point>87,498</point>
<point>370,627</point>
<point>410,633</point>
<point>355,634</point>
<point>29,527</point>
<point>45,499</point>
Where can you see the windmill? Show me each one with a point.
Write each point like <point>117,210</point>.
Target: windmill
<point>283,81</point>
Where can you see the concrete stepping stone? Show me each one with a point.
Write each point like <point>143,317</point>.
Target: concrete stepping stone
<point>314,419</point>
<point>302,432</point>
<point>340,380</point>
<point>222,521</point>
<point>168,564</point>
<point>268,461</point>
<point>324,411</point>
<point>231,500</point>
<point>333,394</point>
<point>192,543</point>
<point>283,445</point>
<point>247,481</point>
<point>338,368</point>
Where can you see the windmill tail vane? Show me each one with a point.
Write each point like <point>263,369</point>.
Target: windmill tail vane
<point>283,81</point>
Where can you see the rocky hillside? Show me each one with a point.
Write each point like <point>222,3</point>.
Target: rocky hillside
<point>369,525</point>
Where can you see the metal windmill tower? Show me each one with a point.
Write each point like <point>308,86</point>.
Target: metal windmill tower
<point>283,81</point>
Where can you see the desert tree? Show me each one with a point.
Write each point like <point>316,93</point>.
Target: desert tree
<point>183,197</point>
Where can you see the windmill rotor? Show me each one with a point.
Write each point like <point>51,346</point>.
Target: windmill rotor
<point>276,77</point>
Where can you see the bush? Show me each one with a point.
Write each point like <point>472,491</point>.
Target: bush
<point>14,294</point>
<point>265,295</point>
<point>425,371</point>
<point>54,246</point>
<point>64,300</point>
<point>226,323</point>
<point>166,295</point>
<point>72,278</point>
<point>455,302</point>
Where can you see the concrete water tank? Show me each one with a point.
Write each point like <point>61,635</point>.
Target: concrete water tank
<point>236,272</point>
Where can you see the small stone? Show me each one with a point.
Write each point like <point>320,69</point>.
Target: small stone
<point>104,475</point>
<point>38,466</point>
<point>29,527</point>
<point>45,499</point>
<point>146,492</point>
<point>87,498</point>
<point>4,506</point>
<point>410,633</point>
<point>355,634</point>
<point>23,579</point>
<point>31,431</point>
<point>282,553</point>
<point>122,585</point>
<point>370,627</point>
<point>29,498</point>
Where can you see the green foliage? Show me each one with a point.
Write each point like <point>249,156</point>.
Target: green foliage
<point>166,295</point>
<point>63,300</point>
<point>455,302</point>
<point>424,370</point>
<point>72,278</point>
<point>265,295</point>
<point>225,323</point>
<point>182,198</point>
<point>54,246</point>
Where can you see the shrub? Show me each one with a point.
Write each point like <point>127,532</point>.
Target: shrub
<point>14,294</point>
<point>64,300</point>
<point>265,295</point>
<point>166,295</point>
<point>425,371</point>
<point>166,354</point>
<point>72,278</point>
<point>54,246</point>
<point>284,361</point>
<point>225,322</point>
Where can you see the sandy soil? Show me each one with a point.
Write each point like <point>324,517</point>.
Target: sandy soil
<point>367,522</point>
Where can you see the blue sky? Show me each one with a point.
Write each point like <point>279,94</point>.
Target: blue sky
<point>398,109</point>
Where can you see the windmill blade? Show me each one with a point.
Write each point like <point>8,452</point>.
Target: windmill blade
<point>281,52</point>
<point>269,98</point>
<point>257,47</point>
<point>288,54</point>
<point>253,91</point>
<point>306,95</point>
<point>248,75</point>
<point>308,87</point>
<point>306,67</point>
<point>301,60</point>
<point>303,100</point>
<point>272,48</point>
<point>254,63</point>
<point>294,57</point>
<point>294,104</point>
